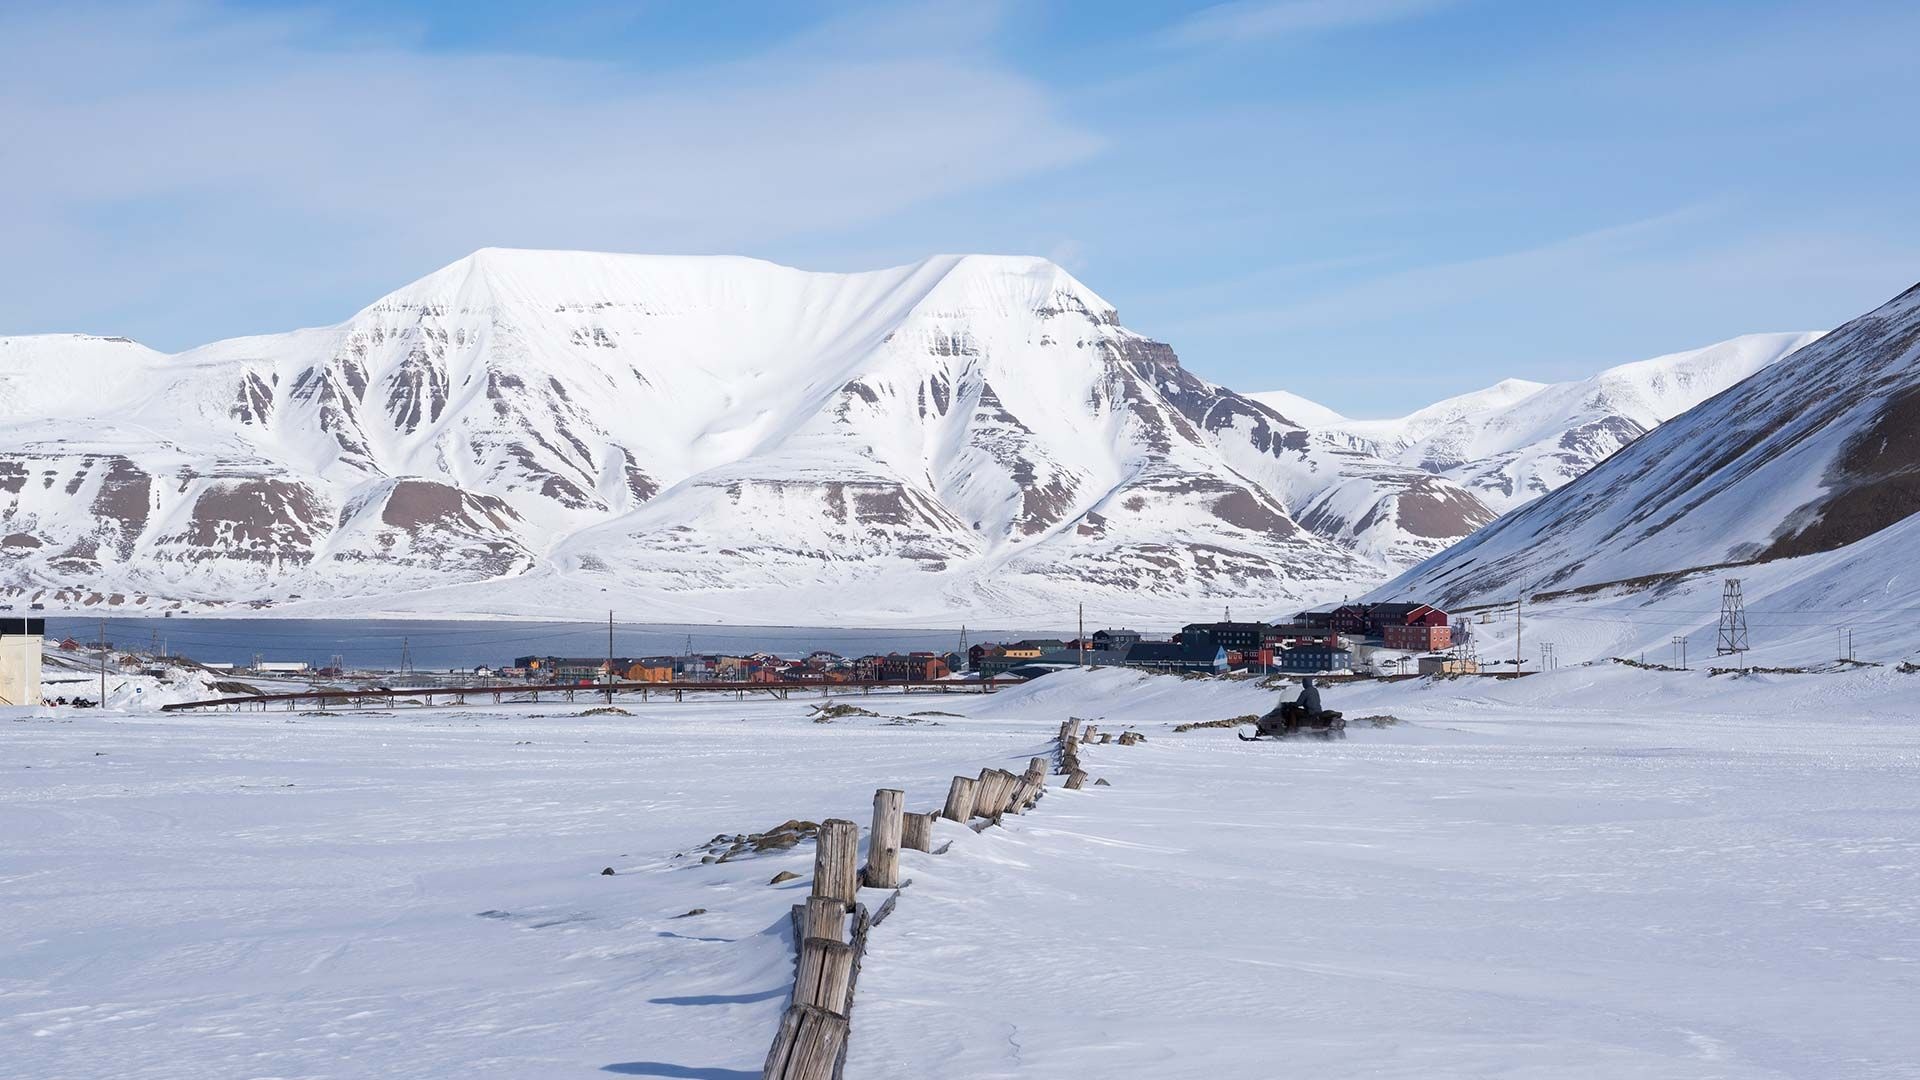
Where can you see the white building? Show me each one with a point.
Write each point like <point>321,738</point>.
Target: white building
<point>20,660</point>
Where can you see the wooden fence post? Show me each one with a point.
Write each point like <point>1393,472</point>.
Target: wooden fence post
<point>916,831</point>
<point>1009,791</point>
<point>986,801</point>
<point>808,1045</point>
<point>1075,779</point>
<point>823,917</point>
<point>959,800</point>
<point>883,844</point>
<point>836,860</point>
<point>824,975</point>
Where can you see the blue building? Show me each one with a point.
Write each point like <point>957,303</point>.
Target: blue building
<point>1313,659</point>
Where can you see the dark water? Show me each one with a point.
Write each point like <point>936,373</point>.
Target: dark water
<point>440,644</point>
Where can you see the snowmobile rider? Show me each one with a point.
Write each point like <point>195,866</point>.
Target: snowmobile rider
<point>1309,699</point>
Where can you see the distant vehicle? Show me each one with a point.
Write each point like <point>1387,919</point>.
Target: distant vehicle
<point>37,607</point>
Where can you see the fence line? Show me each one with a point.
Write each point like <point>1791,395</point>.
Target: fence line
<point>830,929</point>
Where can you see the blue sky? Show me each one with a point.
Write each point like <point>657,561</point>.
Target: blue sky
<point>1375,203</point>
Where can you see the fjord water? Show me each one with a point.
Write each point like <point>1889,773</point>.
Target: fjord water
<point>442,644</point>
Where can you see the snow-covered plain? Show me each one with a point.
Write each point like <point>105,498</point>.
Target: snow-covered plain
<point>1601,871</point>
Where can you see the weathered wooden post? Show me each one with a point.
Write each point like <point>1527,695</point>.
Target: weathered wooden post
<point>823,917</point>
<point>824,976</point>
<point>1037,767</point>
<point>986,796</point>
<point>883,844</point>
<point>836,860</point>
<point>1022,789</point>
<point>1009,790</point>
<point>1075,779</point>
<point>959,800</point>
<point>916,832</point>
<point>808,1045</point>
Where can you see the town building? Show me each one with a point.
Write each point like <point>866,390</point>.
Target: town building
<point>1313,659</point>
<point>911,667</point>
<point>1171,656</point>
<point>20,643</point>
<point>1448,665</point>
<point>1417,637</point>
<point>1374,620</point>
<point>1241,637</point>
<point>1115,639</point>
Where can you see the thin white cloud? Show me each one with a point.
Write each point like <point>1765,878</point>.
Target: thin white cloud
<point>1224,24</point>
<point>210,127</point>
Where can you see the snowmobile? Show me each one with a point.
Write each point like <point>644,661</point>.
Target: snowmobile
<point>1291,721</point>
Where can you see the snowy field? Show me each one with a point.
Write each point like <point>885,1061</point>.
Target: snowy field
<point>1599,872</point>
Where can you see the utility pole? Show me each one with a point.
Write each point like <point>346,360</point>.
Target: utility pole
<point>103,663</point>
<point>406,657</point>
<point>1680,650</point>
<point>966,661</point>
<point>1082,640</point>
<point>609,658</point>
<point>1519,600</point>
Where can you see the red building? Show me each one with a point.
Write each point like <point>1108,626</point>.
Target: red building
<point>1418,637</point>
<point>1378,621</point>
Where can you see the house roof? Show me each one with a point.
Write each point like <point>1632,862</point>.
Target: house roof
<point>1163,652</point>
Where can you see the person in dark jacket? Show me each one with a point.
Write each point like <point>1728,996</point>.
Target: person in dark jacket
<point>1309,699</point>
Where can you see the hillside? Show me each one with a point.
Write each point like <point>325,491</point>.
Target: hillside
<point>1801,480</point>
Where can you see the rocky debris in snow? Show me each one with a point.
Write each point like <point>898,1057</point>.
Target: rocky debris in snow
<point>608,872</point>
<point>691,913</point>
<point>607,710</point>
<point>784,876</point>
<point>824,714</point>
<point>782,837</point>
<point>1231,721</point>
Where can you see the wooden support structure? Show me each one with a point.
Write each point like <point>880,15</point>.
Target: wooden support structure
<point>825,975</point>
<point>822,917</point>
<point>883,843</point>
<point>836,860</point>
<point>988,801</point>
<point>1075,779</point>
<point>808,1046</point>
<point>916,832</point>
<point>959,800</point>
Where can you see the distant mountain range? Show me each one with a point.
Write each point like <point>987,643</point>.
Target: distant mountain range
<point>1803,480</point>
<point>694,439</point>
<point>689,438</point>
<point>1517,440</point>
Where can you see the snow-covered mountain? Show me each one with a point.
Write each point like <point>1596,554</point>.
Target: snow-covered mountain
<point>1803,480</point>
<point>688,438</point>
<point>1517,440</point>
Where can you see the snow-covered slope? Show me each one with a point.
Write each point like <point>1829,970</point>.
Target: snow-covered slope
<point>693,437</point>
<point>1803,479</point>
<point>1517,440</point>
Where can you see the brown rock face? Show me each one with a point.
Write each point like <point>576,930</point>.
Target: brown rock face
<point>1874,484</point>
<point>261,519</point>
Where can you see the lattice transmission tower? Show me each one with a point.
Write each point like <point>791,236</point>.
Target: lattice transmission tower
<point>1733,620</point>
